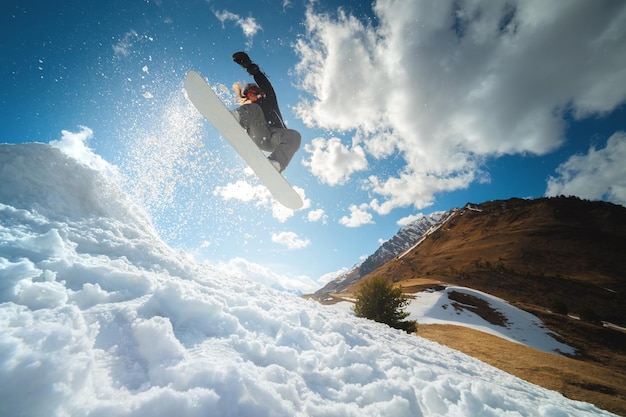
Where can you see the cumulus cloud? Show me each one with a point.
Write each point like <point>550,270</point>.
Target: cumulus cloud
<point>244,191</point>
<point>290,240</point>
<point>317,216</point>
<point>333,162</point>
<point>248,25</point>
<point>444,85</point>
<point>409,219</point>
<point>599,174</point>
<point>358,216</point>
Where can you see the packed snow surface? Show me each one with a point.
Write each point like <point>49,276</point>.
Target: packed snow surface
<point>98,317</point>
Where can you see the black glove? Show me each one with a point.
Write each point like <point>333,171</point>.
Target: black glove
<point>242,59</point>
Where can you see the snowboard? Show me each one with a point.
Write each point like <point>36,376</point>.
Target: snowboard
<point>213,109</point>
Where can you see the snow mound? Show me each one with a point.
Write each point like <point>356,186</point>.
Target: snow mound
<point>100,318</point>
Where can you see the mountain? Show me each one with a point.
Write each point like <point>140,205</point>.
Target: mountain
<point>546,252</point>
<point>401,241</point>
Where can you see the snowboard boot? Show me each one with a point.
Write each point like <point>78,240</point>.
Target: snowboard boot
<point>276,165</point>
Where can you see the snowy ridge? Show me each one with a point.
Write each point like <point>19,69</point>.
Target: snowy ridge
<point>443,220</point>
<point>405,237</point>
<point>101,318</point>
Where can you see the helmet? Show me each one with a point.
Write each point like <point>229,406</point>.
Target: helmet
<point>252,92</point>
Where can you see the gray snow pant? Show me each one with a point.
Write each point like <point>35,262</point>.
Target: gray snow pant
<point>281,142</point>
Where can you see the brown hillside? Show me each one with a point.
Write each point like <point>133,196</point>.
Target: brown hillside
<point>547,256</point>
<point>545,252</point>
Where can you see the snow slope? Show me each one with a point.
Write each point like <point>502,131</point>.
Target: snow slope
<point>521,327</point>
<point>436,307</point>
<point>98,317</point>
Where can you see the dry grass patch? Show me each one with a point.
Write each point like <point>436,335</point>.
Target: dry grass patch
<point>575,379</point>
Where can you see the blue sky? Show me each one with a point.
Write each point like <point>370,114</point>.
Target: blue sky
<point>401,114</point>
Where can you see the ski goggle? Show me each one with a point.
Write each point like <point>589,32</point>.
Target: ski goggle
<point>254,93</point>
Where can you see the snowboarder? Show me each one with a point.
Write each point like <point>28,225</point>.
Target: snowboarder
<point>260,116</point>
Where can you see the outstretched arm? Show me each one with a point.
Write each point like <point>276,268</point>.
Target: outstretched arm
<point>253,69</point>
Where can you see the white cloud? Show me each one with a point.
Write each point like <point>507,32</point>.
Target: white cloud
<point>446,84</point>
<point>124,46</point>
<point>409,219</point>
<point>418,188</point>
<point>248,25</point>
<point>244,191</point>
<point>290,240</point>
<point>280,212</point>
<point>600,174</point>
<point>358,216</point>
<point>332,162</point>
<point>317,215</point>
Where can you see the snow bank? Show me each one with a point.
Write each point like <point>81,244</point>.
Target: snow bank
<point>98,317</point>
<point>435,307</point>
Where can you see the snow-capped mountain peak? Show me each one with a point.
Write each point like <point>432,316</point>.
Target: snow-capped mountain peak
<point>405,237</point>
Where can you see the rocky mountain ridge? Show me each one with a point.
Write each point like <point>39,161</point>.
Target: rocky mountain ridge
<point>400,242</point>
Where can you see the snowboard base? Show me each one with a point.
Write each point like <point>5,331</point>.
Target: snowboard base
<point>213,109</point>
